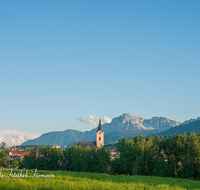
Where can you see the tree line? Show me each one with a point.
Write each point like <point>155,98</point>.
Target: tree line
<point>75,159</point>
<point>175,156</point>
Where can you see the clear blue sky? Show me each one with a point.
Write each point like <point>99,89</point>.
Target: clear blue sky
<point>62,60</point>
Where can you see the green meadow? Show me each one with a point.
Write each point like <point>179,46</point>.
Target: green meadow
<point>93,181</point>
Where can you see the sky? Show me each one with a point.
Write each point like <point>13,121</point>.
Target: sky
<point>63,62</point>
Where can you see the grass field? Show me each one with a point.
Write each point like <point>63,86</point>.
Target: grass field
<point>90,181</point>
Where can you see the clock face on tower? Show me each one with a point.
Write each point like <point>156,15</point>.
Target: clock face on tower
<point>99,132</point>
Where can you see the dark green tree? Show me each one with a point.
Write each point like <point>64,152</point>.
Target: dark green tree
<point>15,162</point>
<point>172,172</point>
<point>103,160</point>
<point>192,157</point>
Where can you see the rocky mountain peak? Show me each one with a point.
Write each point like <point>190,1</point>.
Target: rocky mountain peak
<point>160,123</point>
<point>190,121</point>
<point>127,121</point>
<point>122,123</point>
<point>127,118</point>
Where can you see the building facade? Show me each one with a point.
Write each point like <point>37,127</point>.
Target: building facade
<point>99,135</point>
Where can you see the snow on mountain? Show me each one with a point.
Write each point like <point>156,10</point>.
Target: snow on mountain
<point>190,120</point>
<point>122,124</point>
<point>130,122</point>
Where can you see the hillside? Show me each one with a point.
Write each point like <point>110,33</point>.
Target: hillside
<point>126,122</point>
<point>128,134</point>
<point>61,138</point>
<point>69,137</point>
<point>190,120</point>
<point>194,126</point>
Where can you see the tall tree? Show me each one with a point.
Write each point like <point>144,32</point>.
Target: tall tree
<point>192,158</point>
<point>104,160</point>
<point>4,158</point>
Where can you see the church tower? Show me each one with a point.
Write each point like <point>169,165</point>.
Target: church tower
<point>100,135</point>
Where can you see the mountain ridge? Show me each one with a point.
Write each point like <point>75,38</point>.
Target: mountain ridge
<point>124,122</point>
<point>190,120</point>
<point>189,127</point>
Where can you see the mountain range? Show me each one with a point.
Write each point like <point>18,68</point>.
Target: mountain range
<point>188,127</point>
<point>124,126</point>
<point>190,120</point>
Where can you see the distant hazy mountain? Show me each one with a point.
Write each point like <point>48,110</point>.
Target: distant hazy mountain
<point>122,123</point>
<point>189,127</point>
<point>190,121</point>
<point>69,137</point>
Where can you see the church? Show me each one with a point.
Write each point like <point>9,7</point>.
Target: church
<point>99,139</point>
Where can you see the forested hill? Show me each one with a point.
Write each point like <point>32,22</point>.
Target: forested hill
<point>194,126</point>
<point>69,137</point>
<point>128,134</point>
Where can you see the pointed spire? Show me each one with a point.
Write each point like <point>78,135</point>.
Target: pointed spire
<point>100,127</point>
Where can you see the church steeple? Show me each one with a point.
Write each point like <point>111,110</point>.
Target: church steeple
<point>100,127</point>
<point>100,135</point>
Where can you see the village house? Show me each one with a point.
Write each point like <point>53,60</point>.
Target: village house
<point>114,154</point>
<point>15,153</point>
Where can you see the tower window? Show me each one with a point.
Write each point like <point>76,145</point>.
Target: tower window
<point>99,138</point>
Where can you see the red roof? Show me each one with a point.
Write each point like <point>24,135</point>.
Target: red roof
<point>15,153</point>
<point>24,154</point>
